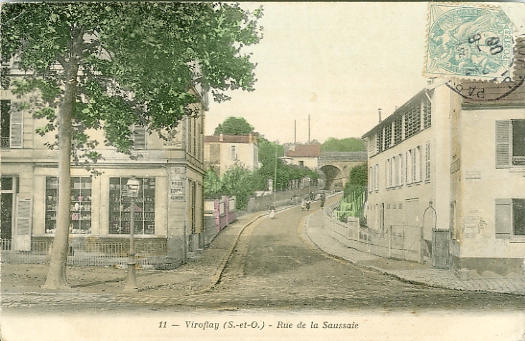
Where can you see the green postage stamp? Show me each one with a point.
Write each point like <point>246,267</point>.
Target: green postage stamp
<point>469,41</point>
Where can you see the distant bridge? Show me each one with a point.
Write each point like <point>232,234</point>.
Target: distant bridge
<point>337,165</point>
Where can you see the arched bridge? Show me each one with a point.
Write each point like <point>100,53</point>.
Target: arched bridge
<point>336,166</point>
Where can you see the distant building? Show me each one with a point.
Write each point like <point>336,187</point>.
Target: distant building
<point>222,152</point>
<point>304,155</point>
<point>453,167</point>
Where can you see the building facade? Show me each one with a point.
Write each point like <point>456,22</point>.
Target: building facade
<point>222,152</point>
<point>304,155</point>
<point>169,210</point>
<point>450,169</point>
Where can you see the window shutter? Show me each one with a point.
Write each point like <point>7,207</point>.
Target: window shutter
<point>139,137</point>
<point>16,136</point>
<point>503,218</point>
<point>23,225</point>
<point>503,134</point>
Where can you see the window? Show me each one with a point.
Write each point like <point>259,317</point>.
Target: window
<point>371,179</point>
<point>5,115</point>
<point>380,140</point>
<point>233,153</point>
<point>395,171</point>
<point>11,126</point>
<point>427,113</point>
<point>376,177</point>
<point>120,207</point>
<point>398,130</point>
<point>408,168</point>
<point>80,219</point>
<point>400,169</point>
<point>418,170</point>
<point>510,143</point>
<point>139,137</point>
<point>518,142</point>
<point>8,212</point>
<point>412,121</point>
<point>427,162</point>
<point>389,173</point>
<point>372,145</point>
<point>388,136</point>
<point>510,218</point>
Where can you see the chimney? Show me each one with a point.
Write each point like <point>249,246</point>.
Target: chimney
<point>294,131</point>
<point>379,112</point>
<point>308,128</point>
<point>221,137</point>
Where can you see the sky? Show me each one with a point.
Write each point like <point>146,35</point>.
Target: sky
<point>337,62</point>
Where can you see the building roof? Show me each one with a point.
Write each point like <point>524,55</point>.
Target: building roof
<point>398,112</point>
<point>231,138</point>
<point>305,150</point>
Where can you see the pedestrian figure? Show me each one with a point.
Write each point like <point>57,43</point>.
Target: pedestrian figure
<point>272,211</point>
<point>308,206</point>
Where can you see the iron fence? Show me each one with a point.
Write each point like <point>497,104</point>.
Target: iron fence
<point>147,254</point>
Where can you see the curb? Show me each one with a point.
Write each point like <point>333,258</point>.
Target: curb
<point>394,275</point>
<point>215,279</point>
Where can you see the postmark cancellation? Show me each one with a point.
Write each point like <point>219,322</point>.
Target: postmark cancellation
<point>469,41</point>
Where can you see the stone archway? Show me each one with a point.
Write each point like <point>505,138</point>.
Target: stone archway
<point>333,176</point>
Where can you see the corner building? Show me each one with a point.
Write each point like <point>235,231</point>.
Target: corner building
<point>169,214</point>
<point>449,169</point>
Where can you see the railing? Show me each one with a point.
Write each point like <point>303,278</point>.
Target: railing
<point>5,142</point>
<point>147,254</point>
<point>395,241</point>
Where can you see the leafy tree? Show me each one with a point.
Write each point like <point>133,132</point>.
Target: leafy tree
<point>240,182</point>
<point>343,145</point>
<point>359,175</point>
<point>212,184</point>
<point>109,65</point>
<point>234,126</point>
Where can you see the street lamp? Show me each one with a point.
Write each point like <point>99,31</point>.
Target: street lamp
<point>133,186</point>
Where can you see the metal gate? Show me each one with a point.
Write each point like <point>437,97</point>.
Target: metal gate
<point>440,252</point>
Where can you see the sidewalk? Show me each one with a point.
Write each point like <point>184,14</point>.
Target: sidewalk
<point>197,275</point>
<point>406,271</point>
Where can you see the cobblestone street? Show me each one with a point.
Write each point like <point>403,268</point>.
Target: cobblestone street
<point>273,265</point>
<point>257,272</point>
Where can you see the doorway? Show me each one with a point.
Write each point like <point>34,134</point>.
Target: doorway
<point>9,186</point>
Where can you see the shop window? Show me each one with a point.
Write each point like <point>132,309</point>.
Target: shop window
<point>510,218</point>
<point>80,219</point>
<point>120,207</point>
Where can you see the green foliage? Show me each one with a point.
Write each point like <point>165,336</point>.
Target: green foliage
<point>234,126</point>
<point>156,51</point>
<point>212,184</point>
<point>236,181</point>
<point>359,175</point>
<point>343,145</point>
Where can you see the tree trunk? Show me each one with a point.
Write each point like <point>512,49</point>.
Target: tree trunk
<point>56,276</point>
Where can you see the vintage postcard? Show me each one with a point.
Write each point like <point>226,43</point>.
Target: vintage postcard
<point>262,170</point>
